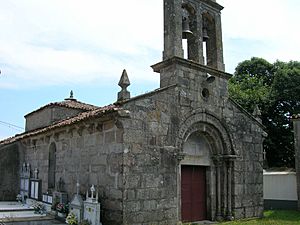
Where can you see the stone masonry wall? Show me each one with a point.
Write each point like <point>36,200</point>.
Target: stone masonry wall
<point>150,169</point>
<point>245,133</point>
<point>9,172</point>
<point>247,138</point>
<point>48,116</point>
<point>90,152</point>
<point>150,165</point>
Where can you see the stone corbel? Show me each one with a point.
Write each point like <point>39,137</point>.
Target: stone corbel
<point>26,142</point>
<point>70,131</point>
<point>56,136</point>
<point>118,124</point>
<point>124,113</point>
<point>91,128</point>
<point>47,139</point>
<point>80,129</point>
<point>99,127</point>
<point>34,144</point>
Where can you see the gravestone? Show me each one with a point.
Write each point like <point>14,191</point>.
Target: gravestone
<point>76,205</point>
<point>47,198</point>
<point>60,195</point>
<point>92,207</point>
<point>24,181</point>
<point>36,186</point>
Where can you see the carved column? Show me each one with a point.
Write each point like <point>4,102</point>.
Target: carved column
<point>229,159</point>
<point>224,189</point>
<point>219,197</point>
<point>229,188</point>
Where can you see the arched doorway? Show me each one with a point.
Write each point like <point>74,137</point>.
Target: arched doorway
<point>194,169</point>
<point>51,167</point>
<point>208,163</point>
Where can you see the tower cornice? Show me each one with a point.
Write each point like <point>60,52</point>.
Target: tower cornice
<point>189,64</point>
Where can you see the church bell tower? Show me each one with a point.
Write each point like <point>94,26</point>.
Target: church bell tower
<point>195,24</point>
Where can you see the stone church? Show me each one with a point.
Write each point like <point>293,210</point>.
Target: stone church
<point>184,152</point>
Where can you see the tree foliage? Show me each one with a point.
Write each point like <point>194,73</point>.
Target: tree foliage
<point>275,89</point>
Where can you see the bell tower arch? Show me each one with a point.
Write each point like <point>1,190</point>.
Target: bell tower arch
<point>192,43</point>
<point>199,22</point>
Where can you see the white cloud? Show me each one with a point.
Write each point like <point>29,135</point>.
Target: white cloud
<point>57,42</point>
<point>78,41</point>
<point>273,23</point>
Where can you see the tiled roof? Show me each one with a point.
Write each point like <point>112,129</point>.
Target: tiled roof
<point>69,103</point>
<point>80,117</point>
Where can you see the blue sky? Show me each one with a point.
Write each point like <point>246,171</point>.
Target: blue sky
<point>50,47</point>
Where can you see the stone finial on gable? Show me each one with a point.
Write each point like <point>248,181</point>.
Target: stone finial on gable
<point>257,113</point>
<point>71,98</point>
<point>124,83</point>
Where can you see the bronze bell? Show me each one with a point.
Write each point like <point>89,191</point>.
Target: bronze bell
<point>185,28</point>
<point>210,78</point>
<point>205,35</point>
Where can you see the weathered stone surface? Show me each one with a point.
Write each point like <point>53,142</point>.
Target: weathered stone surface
<point>134,159</point>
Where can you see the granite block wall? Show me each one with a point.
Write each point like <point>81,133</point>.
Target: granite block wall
<point>150,167</point>
<point>90,153</point>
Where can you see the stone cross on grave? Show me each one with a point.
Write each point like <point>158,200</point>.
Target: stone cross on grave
<point>92,191</point>
<point>36,173</point>
<point>77,188</point>
<point>92,198</point>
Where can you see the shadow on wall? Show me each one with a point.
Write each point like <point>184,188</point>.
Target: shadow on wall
<point>9,172</point>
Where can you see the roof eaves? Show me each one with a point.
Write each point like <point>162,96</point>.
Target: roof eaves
<point>81,117</point>
<point>67,104</point>
<point>158,90</point>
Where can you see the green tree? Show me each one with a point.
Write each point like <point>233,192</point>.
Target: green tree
<point>275,88</point>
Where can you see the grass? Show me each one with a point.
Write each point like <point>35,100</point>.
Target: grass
<point>272,217</point>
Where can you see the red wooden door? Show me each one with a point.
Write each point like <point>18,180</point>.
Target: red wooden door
<point>193,193</point>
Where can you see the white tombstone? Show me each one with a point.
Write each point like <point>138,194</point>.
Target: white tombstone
<point>76,205</point>
<point>92,208</point>
<point>25,181</point>
<point>36,186</point>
